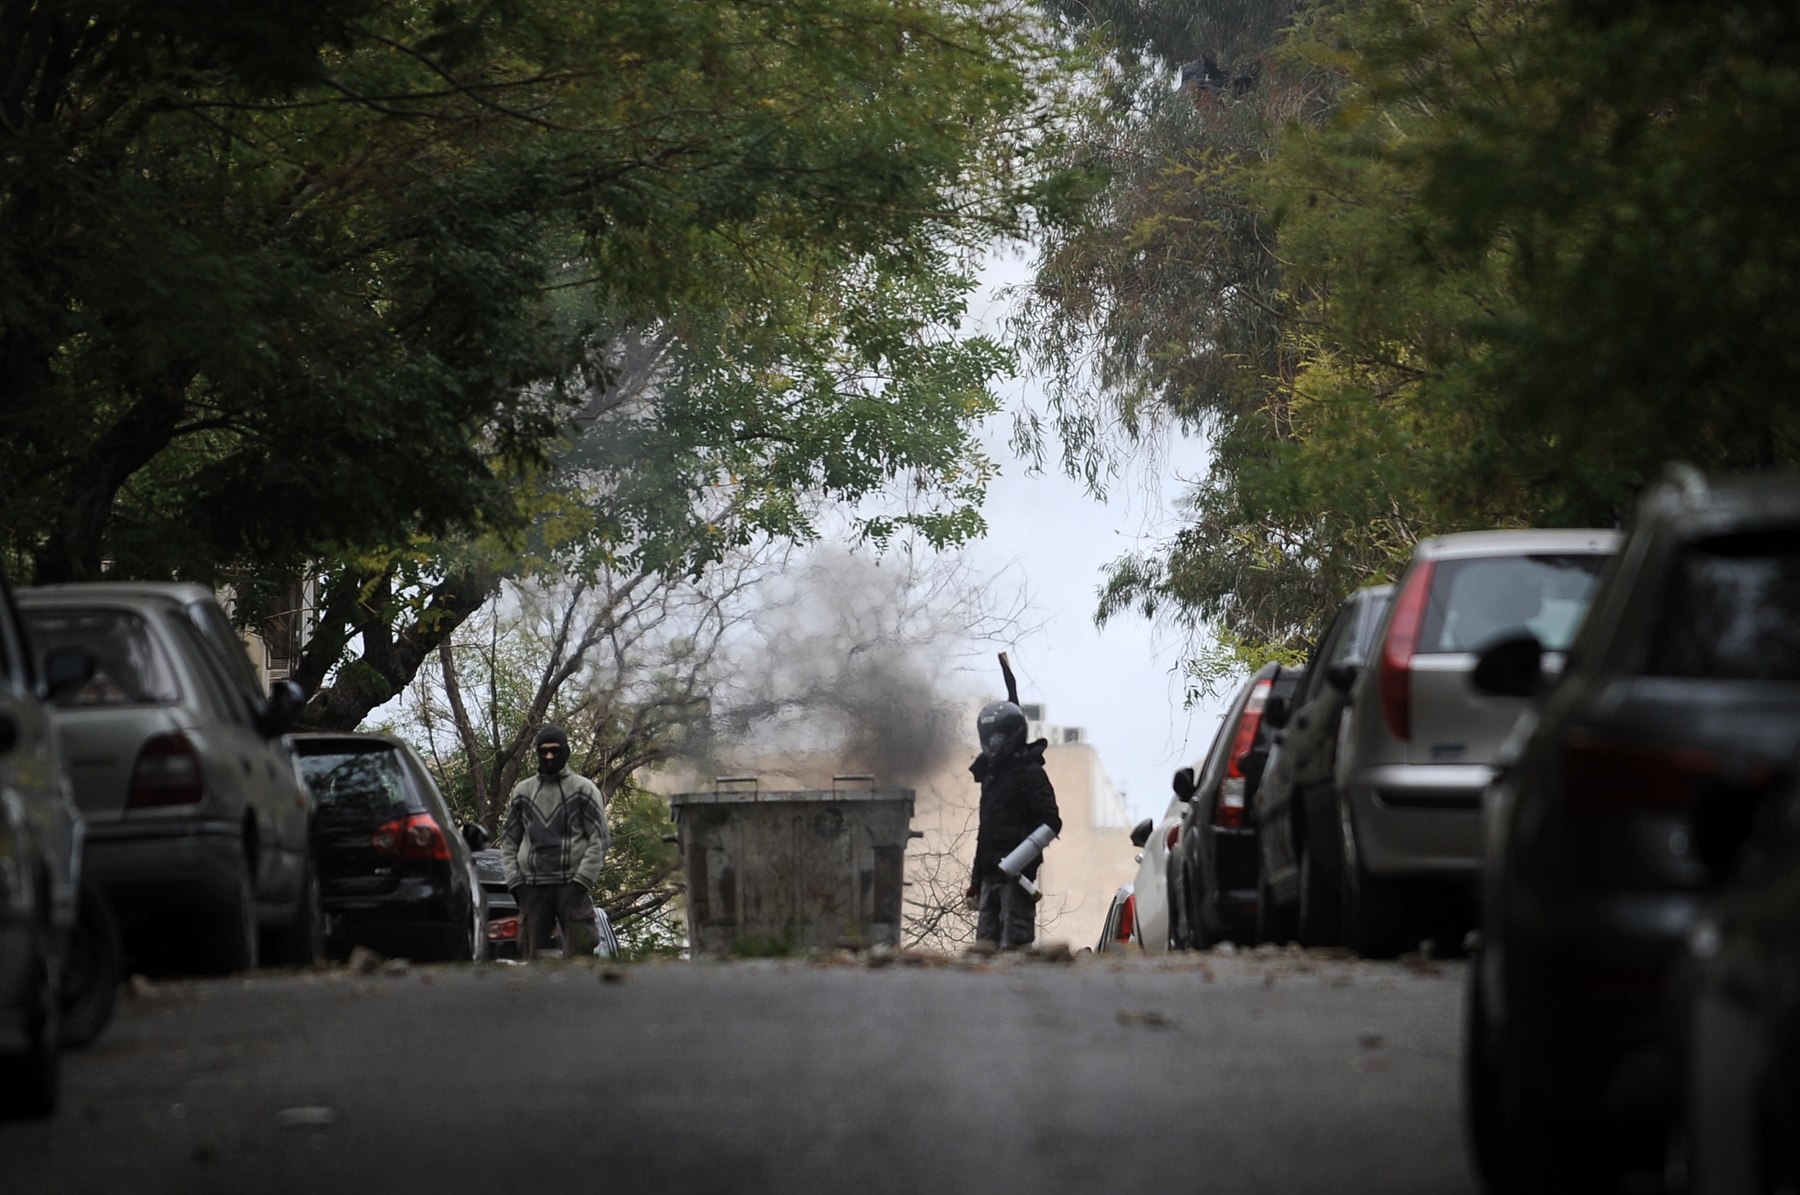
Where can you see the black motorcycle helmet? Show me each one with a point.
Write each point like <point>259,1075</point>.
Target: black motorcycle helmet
<point>1001,728</point>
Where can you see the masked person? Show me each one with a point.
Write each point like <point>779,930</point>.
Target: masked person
<point>551,848</point>
<point>1016,798</point>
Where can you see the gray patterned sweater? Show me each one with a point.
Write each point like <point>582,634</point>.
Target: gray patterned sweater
<point>555,831</point>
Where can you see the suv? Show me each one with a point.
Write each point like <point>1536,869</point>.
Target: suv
<point>197,818</point>
<point>1419,744</point>
<point>1214,895</point>
<point>1676,716</point>
<point>1298,886</point>
<point>40,866</point>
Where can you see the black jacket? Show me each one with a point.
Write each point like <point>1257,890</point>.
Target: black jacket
<point>1016,798</point>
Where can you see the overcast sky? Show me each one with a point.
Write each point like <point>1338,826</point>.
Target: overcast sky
<point>1121,683</point>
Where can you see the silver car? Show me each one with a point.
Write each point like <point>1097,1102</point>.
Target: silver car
<point>197,816</point>
<point>40,868</point>
<point>1419,744</point>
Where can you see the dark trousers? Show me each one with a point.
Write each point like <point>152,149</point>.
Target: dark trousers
<point>547,907</point>
<point>1008,916</point>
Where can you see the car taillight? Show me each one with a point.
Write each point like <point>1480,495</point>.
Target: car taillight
<point>1173,836</point>
<point>167,773</point>
<point>1603,775</point>
<point>1127,919</point>
<point>415,837</point>
<point>1397,652</point>
<point>503,929</point>
<point>1229,810</point>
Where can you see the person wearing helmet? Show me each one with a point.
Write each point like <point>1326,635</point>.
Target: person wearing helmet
<point>551,849</point>
<point>1016,798</point>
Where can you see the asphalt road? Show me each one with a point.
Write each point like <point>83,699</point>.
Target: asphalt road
<point>1242,1074</point>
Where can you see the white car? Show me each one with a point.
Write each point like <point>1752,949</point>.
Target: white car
<point>1151,887</point>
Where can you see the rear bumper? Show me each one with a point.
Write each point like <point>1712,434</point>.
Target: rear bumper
<point>1419,819</point>
<point>150,864</point>
<point>419,915</point>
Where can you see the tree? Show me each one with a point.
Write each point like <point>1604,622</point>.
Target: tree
<point>315,286</point>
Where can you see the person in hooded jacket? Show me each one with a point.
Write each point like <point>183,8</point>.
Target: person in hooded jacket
<point>1016,798</point>
<point>551,848</point>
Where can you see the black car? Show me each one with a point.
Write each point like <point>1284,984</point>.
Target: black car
<point>1296,807</point>
<point>1213,895</point>
<point>1678,707</point>
<point>1738,1024</point>
<point>395,874</point>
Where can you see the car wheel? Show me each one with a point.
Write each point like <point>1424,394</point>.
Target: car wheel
<point>29,1078</point>
<point>1518,1145</point>
<point>1273,923</point>
<point>1319,915</point>
<point>302,942</point>
<point>92,959</point>
<point>1371,906</point>
<point>232,946</point>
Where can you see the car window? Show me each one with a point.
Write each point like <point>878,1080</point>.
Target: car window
<point>1476,601</point>
<point>228,651</point>
<point>1331,649</point>
<point>429,793</point>
<point>130,667</point>
<point>225,704</point>
<point>1732,611</point>
<point>357,785</point>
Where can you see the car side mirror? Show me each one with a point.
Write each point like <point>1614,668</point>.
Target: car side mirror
<point>1184,784</point>
<point>1277,711</point>
<point>67,669</point>
<point>281,709</point>
<point>1341,675</point>
<point>1140,833</point>
<point>476,836</point>
<point>1513,667</point>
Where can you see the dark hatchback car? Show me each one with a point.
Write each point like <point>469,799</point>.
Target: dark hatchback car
<point>1677,709</point>
<point>1296,807</point>
<point>395,874</point>
<point>1737,1026</point>
<point>1215,868</point>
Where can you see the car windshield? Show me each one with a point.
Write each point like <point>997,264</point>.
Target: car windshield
<point>1476,601</point>
<point>129,667</point>
<point>489,867</point>
<point>1732,611</point>
<point>356,785</point>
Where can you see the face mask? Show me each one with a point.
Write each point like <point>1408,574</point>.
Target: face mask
<point>551,758</point>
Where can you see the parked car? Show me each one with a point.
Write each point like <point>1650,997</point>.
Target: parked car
<point>1121,921</point>
<point>502,906</point>
<point>1677,709</point>
<point>1738,1020</point>
<point>1215,850</point>
<point>40,865</point>
<point>197,821</point>
<point>395,872</point>
<point>1300,880</point>
<point>1420,743</point>
<point>1150,888</point>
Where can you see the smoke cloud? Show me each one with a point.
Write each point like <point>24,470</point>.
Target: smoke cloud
<point>861,665</point>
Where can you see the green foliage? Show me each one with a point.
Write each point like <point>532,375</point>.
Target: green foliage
<point>1519,254</point>
<point>292,284</point>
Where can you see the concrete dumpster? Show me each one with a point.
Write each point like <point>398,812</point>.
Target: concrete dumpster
<point>773,872</point>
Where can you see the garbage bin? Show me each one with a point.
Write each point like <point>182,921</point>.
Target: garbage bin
<point>776,872</point>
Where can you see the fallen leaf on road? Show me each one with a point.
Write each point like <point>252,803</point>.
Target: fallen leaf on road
<point>310,1115</point>
<point>1150,1018</point>
<point>362,960</point>
<point>1368,1039</point>
<point>612,975</point>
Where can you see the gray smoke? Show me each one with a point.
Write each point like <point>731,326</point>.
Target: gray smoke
<point>860,664</point>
